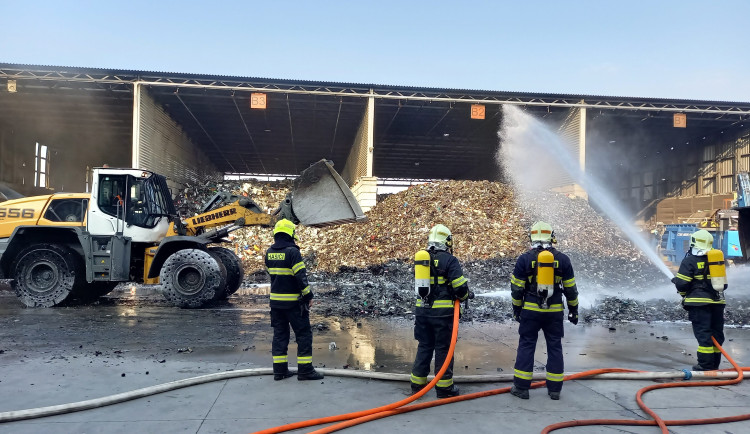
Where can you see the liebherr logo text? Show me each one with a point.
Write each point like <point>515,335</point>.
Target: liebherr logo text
<point>214,216</point>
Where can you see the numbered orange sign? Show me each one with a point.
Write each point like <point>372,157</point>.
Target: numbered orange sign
<point>258,100</point>
<point>477,111</point>
<point>680,120</point>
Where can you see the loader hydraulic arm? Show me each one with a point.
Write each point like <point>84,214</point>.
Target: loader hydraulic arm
<point>241,212</point>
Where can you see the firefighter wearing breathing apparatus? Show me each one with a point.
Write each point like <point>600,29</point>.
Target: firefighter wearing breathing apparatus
<point>439,281</point>
<point>291,299</point>
<point>540,278</point>
<point>701,281</point>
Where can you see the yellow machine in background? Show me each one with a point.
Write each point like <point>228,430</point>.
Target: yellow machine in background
<point>81,245</point>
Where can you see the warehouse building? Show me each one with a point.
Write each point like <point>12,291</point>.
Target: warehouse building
<point>663,158</point>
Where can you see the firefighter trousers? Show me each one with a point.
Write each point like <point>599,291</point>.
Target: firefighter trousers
<point>551,324</point>
<point>434,336</point>
<point>708,321</point>
<point>299,320</point>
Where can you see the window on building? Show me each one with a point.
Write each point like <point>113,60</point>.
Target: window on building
<point>41,166</point>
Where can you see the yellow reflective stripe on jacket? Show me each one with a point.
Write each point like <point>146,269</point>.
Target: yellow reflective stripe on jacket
<point>280,359</point>
<point>306,290</point>
<point>570,282</point>
<point>441,280</point>
<point>700,277</point>
<point>445,383</point>
<point>717,350</point>
<point>459,281</point>
<point>437,304</point>
<point>304,360</point>
<point>706,350</point>
<point>518,302</point>
<point>281,271</point>
<point>683,277</point>
<point>518,282</point>
<point>298,266</point>
<point>551,308</point>
<point>418,380</point>
<point>555,377</point>
<point>704,300</point>
<point>573,302</point>
<point>682,293</point>
<point>284,297</point>
<point>523,375</point>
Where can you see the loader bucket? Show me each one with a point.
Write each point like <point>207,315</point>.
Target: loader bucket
<point>321,198</point>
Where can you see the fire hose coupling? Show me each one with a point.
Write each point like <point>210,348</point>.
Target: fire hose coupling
<point>688,374</point>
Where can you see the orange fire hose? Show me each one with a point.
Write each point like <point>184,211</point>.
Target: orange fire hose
<point>444,401</point>
<point>357,414</point>
<point>657,420</point>
<point>356,418</point>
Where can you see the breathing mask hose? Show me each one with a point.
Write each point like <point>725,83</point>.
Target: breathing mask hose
<point>359,414</point>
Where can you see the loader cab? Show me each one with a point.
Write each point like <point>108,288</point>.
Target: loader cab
<point>134,202</point>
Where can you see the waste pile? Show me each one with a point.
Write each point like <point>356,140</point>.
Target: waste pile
<point>366,269</point>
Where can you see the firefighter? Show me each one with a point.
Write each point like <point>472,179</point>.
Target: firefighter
<point>291,299</point>
<point>433,324</point>
<point>704,304</point>
<point>540,278</point>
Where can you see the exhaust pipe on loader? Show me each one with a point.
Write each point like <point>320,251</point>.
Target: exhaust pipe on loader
<point>320,198</point>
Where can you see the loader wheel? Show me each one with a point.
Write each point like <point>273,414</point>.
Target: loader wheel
<point>190,278</point>
<point>235,272</point>
<point>221,293</point>
<point>44,274</point>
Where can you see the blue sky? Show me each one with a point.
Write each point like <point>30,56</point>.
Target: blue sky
<point>650,48</point>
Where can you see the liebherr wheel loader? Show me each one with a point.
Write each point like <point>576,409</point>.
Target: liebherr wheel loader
<point>81,245</point>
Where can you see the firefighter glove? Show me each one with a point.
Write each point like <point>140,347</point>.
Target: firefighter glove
<point>573,316</point>
<point>304,307</point>
<point>517,313</point>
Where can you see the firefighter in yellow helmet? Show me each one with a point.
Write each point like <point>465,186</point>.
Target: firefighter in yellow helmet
<point>540,278</point>
<point>705,305</point>
<point>291,299</point>
<point>433,324</point>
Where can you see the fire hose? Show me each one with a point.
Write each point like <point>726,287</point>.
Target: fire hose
<point>733,376</point>
<point>356,418</point>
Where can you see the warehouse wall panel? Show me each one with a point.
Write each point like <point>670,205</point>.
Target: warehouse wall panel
<point>163,147</point>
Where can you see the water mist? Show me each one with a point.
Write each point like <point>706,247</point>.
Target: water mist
<point>530,151</point>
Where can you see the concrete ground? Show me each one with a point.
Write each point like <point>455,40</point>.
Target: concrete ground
<point>62,355</point>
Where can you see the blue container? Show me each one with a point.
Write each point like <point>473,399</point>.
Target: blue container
<point>731,247</point>
<point>675,242</point>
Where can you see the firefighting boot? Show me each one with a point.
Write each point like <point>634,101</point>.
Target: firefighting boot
<point>447,392</point>
<point>416,388</point>
<point>281,371</point>
<point>699,368</point>
<point>520,393</point>
<point>310,374</point>
<point>554,396</point>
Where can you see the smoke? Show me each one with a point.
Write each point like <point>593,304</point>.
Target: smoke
<point>533,156</point>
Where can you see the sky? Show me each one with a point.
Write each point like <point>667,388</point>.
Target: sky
<point>687,49</point>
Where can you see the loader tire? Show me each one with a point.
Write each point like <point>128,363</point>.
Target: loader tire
<point>235,272</point>
<point>190,278</point>
<point>220,293</point>
<point>44,274</point>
